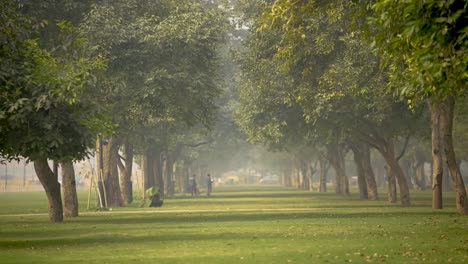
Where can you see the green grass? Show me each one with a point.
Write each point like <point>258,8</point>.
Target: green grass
<point>228,228</point>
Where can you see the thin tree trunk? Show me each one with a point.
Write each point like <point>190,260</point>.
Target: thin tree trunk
<point>52,187</point>
<point>70,198</point>
<point>446,122</point>
<point>369,172</point>
<point>387,150</point>
<point>437,169</point>
<point>126,185</point>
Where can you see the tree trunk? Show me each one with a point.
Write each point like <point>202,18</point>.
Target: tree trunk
<point>52,187</point>
<point>362,184</point>
<point>323,174</point>
<point>126,186</point>
<point>70,198</point>
<point>446,123</point>
<point>111,173</point>
<point>369,172</point>
<point>148,171</point>
<point>168,172</point>
<point>446,182</point>
<point>391,184</point>
<point>158,172</point>
<point>418,168</point>
<point>437,169</point>
<point>305,176</point>
<point>396,171</point>
<point>337,161</point>
<point>407,172</point>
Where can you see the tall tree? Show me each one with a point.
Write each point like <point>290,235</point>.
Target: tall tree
<point>162,71</point>
<point>425,41</point>
<point>44,111</point>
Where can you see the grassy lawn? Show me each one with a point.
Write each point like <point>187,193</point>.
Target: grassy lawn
<point>237,225</point>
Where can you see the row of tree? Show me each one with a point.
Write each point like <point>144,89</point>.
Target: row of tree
<point>119,77</point>
<point>313,79</point>
<point>333,76</point>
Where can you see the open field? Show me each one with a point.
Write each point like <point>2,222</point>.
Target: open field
<point>235,225</point>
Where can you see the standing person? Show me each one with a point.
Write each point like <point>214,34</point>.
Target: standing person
<point>209,185</point>
<point>194,186</point>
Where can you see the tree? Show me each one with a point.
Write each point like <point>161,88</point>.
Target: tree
<point>43,100</point>
<point>328,72</point>
<point>162,72</point>
<point>425,41</point>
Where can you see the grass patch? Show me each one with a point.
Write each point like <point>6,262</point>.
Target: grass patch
<point>237,225</point>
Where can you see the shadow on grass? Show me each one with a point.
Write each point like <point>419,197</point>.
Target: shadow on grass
<point>239,217</point>
<point>159,228</point>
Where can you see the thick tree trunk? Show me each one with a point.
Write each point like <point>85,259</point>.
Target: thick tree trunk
<point>52,187</point>
<point>111,173</point>
<point>305,176</point>
<point>70,198</point>
<point>369,172</point>
<point>407,172</point>
<point>446,123</point>
<point>446,182</point>
<point>391,184</point>
<point>362,184</point>
<point>419,175</point>
<point>437,169</point>
<point>158,173</point>
<point>148,171</point>
<point>323,174</point>
<point>168,172</point>
<point>126,186</point>
<point>337,161</point>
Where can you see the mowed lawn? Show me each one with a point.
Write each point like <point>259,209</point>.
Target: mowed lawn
<point>237,225</point>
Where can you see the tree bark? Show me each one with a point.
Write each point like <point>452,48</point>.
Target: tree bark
<point>158,171</point>
<point>305,176</point>
<point>168,172</point>
<point>362,183</point>
<point>126,186</point>
<point>437,169</point>
<point>70,198</point>
<point>337,161</point>
<point>386,148</point>
<point>323,173</point>
<point>52,187</point>
<point>148,171</point>
<point>111,173</point>
<point>391,185</point>
<point>418,168</point>
<point>446,123</point>
<point>396,171</point>
<point>369,172</point>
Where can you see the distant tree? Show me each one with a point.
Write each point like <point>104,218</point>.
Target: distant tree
<point>161,76</point>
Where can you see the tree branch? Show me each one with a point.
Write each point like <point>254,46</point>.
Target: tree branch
<point>404,148</point>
